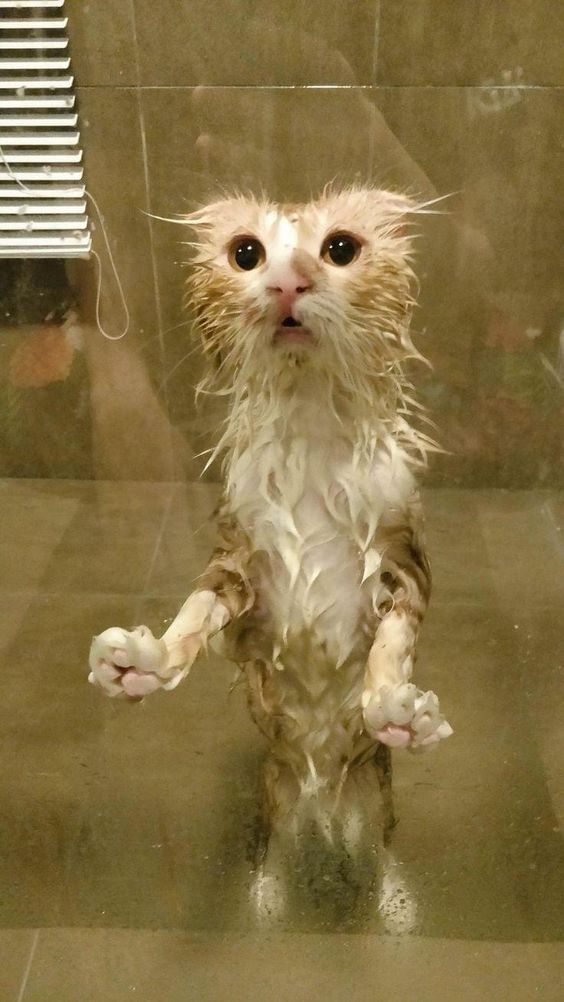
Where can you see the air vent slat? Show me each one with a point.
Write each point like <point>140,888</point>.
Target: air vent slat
<point>30,63</point>
<point>42,208</point>
<point>32,43</point>
<point>37,121</point>
<point>26,4</point>
<point>48,191</point>
<point>37,102</point>
<point>21,84</point>
<point>38,138</point>
<point>51,223</point>
<point>42,157</point>
<point>33,23</point>
<point>67,245</point>
<point>53,174</point>
<point>52,249</point>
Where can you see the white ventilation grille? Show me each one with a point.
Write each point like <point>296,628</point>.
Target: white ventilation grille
<point>42,195</point>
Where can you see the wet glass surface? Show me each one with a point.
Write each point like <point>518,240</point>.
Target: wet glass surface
<point>144,818</point>
<point>130,834</point>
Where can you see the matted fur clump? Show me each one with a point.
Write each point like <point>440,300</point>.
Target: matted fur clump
<point>319,580</point>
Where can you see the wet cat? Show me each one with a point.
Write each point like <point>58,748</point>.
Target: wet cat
<point>320,580</point>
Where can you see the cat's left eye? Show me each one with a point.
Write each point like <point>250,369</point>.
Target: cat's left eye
<point>246,253</point>
<point>340,249</point>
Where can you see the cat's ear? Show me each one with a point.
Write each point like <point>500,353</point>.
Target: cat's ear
<point>399,204</point>
<point>384,210</point>
<point>393,210</point>
<point>395,201</point>
<point>394,205</point>
<point>207,217</point>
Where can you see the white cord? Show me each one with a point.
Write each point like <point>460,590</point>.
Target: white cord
<point>109,337</point>
<point>13,177</point>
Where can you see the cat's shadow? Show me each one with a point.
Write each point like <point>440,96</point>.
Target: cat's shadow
<point>293,879</point>
<point>330,877</point>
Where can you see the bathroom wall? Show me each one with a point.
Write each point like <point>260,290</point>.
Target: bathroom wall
<point>463,100</point>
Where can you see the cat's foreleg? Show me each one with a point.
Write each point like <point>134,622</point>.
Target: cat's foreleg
<point>133,663</point>
<point>396,712</point>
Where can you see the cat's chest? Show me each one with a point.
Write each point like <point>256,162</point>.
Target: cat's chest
<point>302,496</point>
<point>311,511</point>
<point>314,490</point>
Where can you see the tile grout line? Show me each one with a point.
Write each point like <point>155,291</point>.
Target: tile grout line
<point>376,45</point>
<point>28,966</point>
<point>148,200</point>
<point>151,565</point>
<point>138,89</point>
<point>156,286</point>
<point>555,535</point>
<point>327,87</point>
<point>374,77</point>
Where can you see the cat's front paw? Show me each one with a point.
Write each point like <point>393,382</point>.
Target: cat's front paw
<point>402,716</point>
<point>128,663</point>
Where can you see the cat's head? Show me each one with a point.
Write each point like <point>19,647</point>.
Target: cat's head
<point>326,283</point>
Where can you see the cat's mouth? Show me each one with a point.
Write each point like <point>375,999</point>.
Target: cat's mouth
<point>292,331</point>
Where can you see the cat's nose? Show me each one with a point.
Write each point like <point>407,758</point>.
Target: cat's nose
<point>288,289</point>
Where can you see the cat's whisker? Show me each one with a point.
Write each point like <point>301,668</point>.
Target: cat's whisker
<point>165,219</point>
<point>422,207</point>
<point>192,351</point>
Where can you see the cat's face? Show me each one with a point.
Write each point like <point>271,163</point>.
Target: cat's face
<point>327,282</point>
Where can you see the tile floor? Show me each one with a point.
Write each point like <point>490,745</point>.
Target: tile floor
<point>125,835</point>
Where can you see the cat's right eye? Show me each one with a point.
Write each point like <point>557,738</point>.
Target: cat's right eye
<point>246,253</point>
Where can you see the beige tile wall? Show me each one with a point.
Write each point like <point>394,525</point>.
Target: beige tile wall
<point>439,42</point>
<point>179,97</point>
<point>255,44</point>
